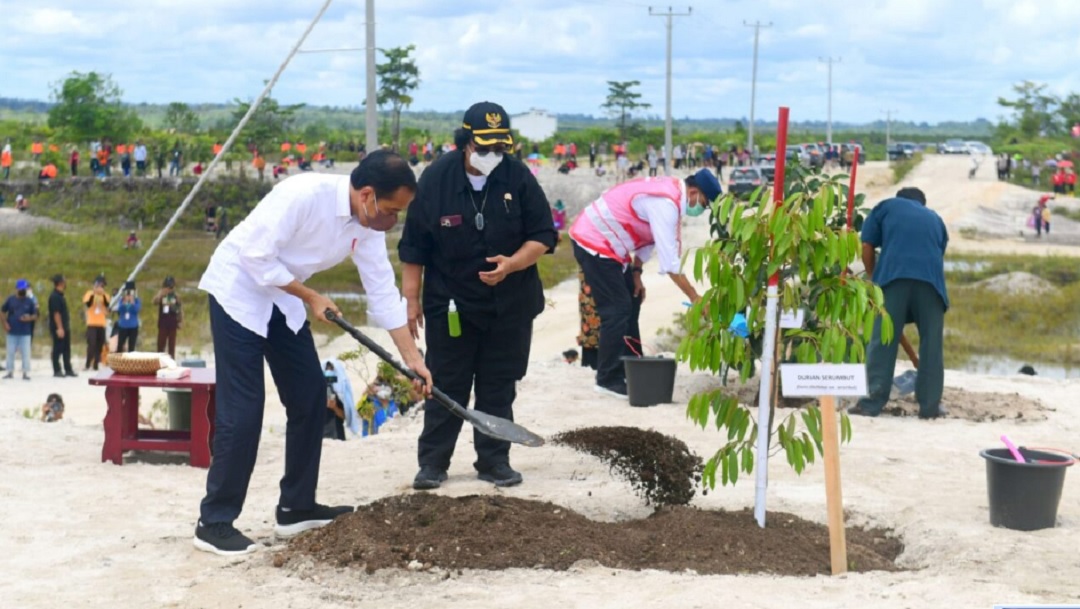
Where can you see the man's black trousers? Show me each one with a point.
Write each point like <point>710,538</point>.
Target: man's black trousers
<point>294,364</point>
<point>61,350</point>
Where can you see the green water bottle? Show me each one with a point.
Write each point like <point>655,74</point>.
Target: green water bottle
<point>454,320</point>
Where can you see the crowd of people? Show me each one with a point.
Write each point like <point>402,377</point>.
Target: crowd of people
<point>108,326</point>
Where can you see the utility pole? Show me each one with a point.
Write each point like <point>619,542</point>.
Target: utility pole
<point>757,25</point>
<point>828,129</point>
<point>667,107</point>
<point>371,118</point>
<point>888,129</point>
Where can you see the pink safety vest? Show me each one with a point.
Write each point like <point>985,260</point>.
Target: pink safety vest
<point>610,226</point>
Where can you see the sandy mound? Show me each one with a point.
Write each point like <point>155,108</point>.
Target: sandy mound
<point>1016,283</point>
<point>14,223</point>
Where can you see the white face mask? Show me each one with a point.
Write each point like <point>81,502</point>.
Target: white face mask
<point>485,164</point>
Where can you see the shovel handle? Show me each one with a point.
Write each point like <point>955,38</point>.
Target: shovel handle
<point>912,355</point>
<point>385,356</point>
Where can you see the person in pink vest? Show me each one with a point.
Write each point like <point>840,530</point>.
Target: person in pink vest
<point>614,236</point>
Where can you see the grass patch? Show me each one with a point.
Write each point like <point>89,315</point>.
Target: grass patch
<point>1023,326</point>
<point>82,255</point>
<point>903,167</point>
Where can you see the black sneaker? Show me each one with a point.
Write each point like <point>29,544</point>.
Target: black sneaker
<point>58,375</point>
<point>615,390</point>
<point>862,412</point>
<point>223,539</point>
<point>428,478</point>
<point>501,475</point>
<point>294,522</point>
<point>71,373</point>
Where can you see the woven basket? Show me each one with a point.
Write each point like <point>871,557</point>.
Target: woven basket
<point>123,363</point>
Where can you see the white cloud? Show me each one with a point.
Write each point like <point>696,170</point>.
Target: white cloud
<point>934,59</point>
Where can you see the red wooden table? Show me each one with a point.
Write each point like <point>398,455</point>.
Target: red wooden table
<point>122,431</point>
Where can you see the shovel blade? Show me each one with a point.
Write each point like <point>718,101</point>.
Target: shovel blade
<point>905,383</point>
<point>501,429</point>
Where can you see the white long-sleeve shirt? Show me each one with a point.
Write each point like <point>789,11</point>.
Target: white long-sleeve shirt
<point>305,225</point>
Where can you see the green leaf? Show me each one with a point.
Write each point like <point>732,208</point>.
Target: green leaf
<point>732,468</point>
<point>845,427</point>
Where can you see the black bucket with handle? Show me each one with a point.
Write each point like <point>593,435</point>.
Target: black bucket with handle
<point>1024,496</point>
<point>649,380</point>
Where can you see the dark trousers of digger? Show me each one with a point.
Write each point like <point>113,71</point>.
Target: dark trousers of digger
<point>294,365</point>
<point>908,301</point>
<point>613,290</point>
<point>61,351</point>
<point>491,355</point>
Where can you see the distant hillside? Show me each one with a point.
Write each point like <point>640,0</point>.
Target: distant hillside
<point>219,116</point>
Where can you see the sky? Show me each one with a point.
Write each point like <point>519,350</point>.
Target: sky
<point>921,60</point>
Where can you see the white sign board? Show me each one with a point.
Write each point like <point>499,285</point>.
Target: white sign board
<point>813,380</point>
<point>792,319</point>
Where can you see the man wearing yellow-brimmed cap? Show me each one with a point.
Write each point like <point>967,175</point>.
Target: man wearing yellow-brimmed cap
<point>479,224</point>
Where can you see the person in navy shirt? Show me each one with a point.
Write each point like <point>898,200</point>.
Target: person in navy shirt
<point>911,273</point>
<point>19,312</point>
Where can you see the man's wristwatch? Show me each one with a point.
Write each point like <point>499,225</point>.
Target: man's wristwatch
<point>635,269</point>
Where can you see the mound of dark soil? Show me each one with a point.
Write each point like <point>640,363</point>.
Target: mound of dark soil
<point>424,530</point>
<point>662,469</point>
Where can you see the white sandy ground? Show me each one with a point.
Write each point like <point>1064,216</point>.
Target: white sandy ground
<point>80,533</point>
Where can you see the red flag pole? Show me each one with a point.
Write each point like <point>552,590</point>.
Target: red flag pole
<point>851,188</point>
<point>781,166</point>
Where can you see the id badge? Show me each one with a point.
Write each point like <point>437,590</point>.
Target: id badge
<point>97,310</point>
<point>127,316</point>
<point>165,309</point>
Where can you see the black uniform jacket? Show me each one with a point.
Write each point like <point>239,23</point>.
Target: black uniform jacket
<point>440,234</point>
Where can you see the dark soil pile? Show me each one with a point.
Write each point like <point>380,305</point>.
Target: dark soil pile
<point>423,531</point>
<point>662,469</point>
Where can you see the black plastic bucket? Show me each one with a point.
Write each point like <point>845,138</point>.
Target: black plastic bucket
<point>649,380</point>
<point>1024,496</point>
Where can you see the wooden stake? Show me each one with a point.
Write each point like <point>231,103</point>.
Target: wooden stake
<point>833,496</point>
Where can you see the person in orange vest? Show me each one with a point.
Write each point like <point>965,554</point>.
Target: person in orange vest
<point>103,160</point>
<point>286,147</point>
<point>54,148</point>
<point>1070,181</point>
<point>5,159</point>
<point>48,172</point>
<point>301,147</point>
<point>614,236</point>
<point>121,149</point>
<point>218,147</point>
<point>37,149</point>
<point>260,165</point>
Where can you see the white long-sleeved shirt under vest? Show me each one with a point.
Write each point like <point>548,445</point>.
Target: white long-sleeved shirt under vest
<point>303,226</point>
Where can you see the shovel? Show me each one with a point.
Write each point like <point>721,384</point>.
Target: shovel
<point>905,383</point>
<point>495,427</point>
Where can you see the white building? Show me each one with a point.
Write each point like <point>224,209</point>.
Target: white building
<point>535,125</point>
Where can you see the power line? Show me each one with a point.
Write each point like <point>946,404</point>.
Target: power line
<point>757,25</point>
<point>830,61</point>
<point>667,105</point>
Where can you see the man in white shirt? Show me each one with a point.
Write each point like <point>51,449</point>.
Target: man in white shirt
<point>614,236</point>
<point>140,158</point>
<point>307,224</point>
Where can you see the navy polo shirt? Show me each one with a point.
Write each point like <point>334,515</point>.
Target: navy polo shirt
<point>15,308</point>
<point>912,239</point>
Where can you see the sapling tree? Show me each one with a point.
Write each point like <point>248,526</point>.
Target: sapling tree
<point>807,243</point>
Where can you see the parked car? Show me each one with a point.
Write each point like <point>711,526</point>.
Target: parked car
<point>743,181</point>
<point>978,148</point>
<point>953,147</point>
<point>766,163</point>
<point>901,150</point>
